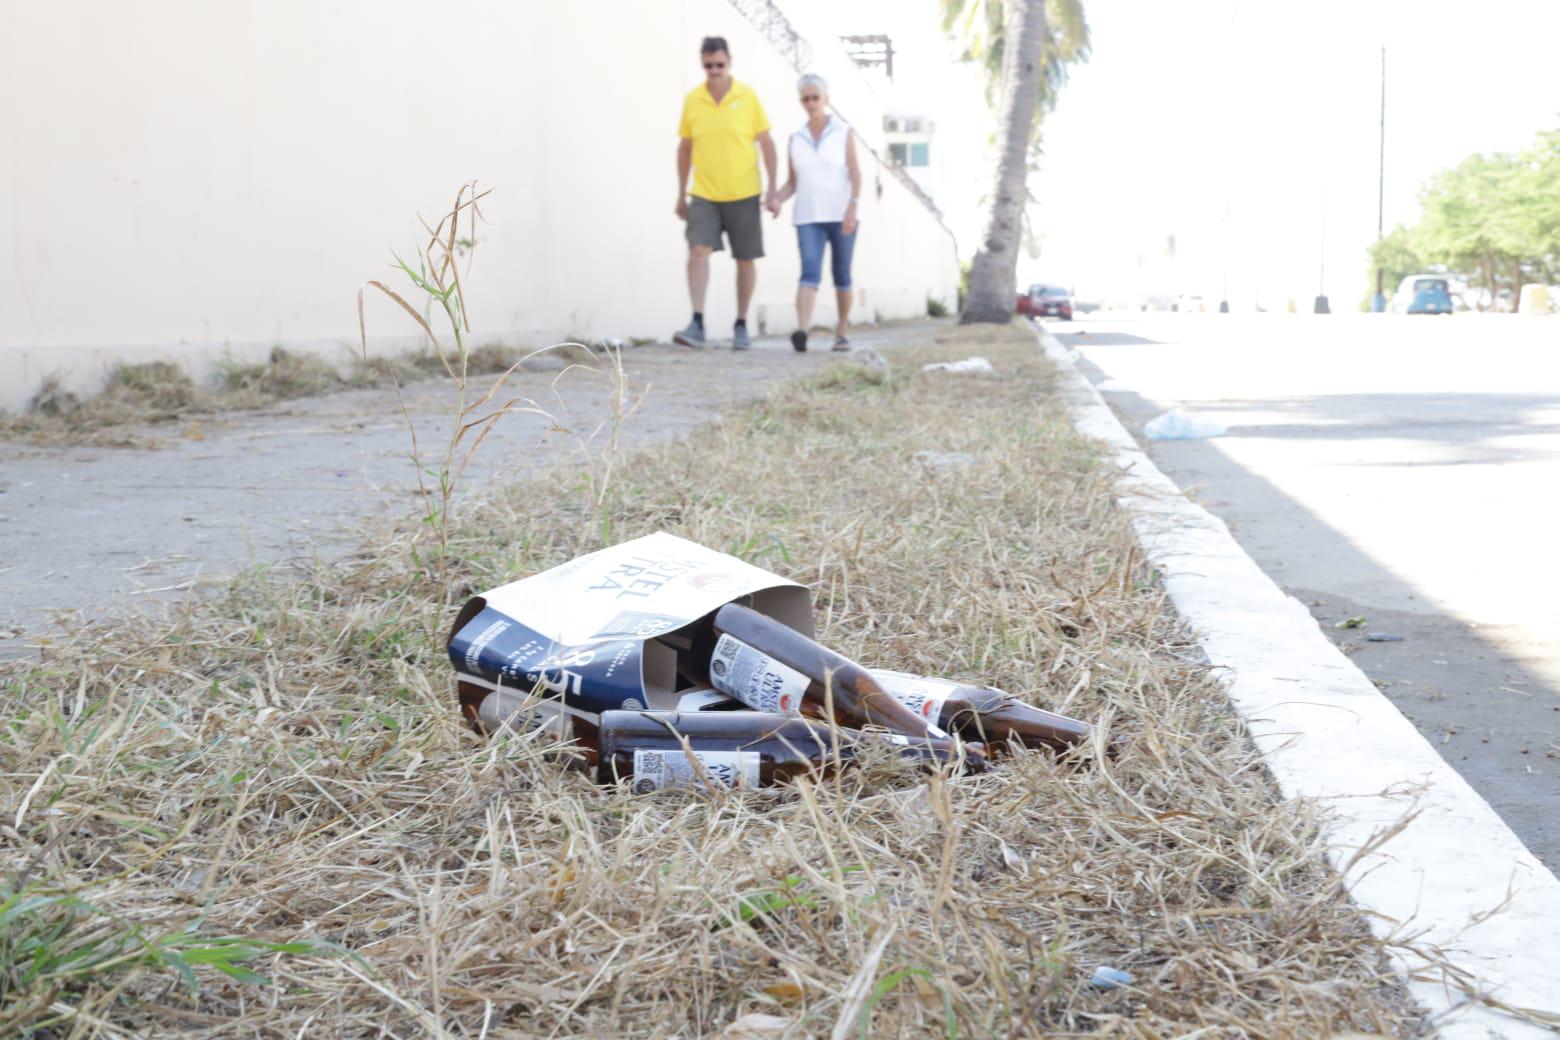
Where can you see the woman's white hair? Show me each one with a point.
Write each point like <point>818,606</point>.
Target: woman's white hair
<point>812,79</point>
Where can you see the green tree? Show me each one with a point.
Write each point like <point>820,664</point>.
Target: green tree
<point>1493,219</point>
<point>1461,226</point>
<point>1025,47</point>
<point>1531,216</point>
<point>1398,255</point>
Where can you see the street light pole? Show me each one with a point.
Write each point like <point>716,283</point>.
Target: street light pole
<point>1320,305</point>
<point>1379,303</point>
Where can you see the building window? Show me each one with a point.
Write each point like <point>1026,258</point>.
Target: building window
<point>897,153</point>
<point>920,154</point>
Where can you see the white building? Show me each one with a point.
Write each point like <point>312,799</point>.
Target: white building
<point>911,144</point>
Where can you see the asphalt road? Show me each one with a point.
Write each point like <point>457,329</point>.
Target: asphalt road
<point>1400,470</point>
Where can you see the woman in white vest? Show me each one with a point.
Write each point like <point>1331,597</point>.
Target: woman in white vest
<point>826,181</point>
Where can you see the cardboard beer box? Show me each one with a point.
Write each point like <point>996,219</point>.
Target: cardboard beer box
<point>586,632</point>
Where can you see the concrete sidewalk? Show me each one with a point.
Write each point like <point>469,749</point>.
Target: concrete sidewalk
<point>1441,875</point>
<point>94,531</point>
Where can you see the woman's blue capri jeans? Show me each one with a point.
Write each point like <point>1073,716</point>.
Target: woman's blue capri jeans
<point>811,239</point>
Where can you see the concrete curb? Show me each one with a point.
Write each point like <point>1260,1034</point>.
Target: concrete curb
<point>1454,879</point>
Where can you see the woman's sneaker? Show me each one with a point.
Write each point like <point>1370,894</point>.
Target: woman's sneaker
<point>799,341</point>
<point>740,339</point>
<point>842,344</point>
<point>692,336</point>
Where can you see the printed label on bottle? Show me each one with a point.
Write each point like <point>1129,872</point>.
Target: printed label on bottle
<point>755,678</point>
<point>658,768</point>
<point>921,695</point>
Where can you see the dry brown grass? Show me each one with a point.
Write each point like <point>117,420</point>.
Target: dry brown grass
<point>287,766</point>
<point>285,375</point>
<point>143,394</point>
<point>157,393</point>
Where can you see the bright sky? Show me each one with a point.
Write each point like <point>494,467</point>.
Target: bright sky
<point>1245,128</point>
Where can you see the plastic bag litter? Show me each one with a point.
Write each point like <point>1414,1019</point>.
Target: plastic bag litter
<point>969,364</point>
<point>1177,425</point>
<point>1106,977</point>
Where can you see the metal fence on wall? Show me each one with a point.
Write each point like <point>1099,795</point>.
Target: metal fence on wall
<point>777,28</point>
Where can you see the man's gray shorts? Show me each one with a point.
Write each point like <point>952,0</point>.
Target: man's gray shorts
<point>741,220</point>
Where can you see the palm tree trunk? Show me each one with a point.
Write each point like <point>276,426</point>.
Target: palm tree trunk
<point>993,272</point>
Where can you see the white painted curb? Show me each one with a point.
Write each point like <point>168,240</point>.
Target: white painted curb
<point>1330,736</point>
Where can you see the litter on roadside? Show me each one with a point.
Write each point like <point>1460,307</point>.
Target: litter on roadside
<point>969,364</point>
<point>667,664</point>
<point>1383,637</point>
<point>1106,977</point>
<point>1179,425</point>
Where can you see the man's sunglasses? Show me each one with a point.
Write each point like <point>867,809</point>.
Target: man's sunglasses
<point>811,97</point>
<point>714,64</point>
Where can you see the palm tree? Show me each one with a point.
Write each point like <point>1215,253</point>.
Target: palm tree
<point>1025,46</point>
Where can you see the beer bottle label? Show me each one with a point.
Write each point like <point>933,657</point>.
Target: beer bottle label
<point>658,768</point>
<point>921,695</point>
<point>755,678</point>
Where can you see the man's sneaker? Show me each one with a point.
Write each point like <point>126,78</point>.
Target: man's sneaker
<point>740,339</point>
<point>692,336</point>
<point>842,344</point>
<point>799,341</point>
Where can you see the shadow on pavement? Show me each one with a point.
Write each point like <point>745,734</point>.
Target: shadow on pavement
<point>1103,339</point>
<point>1439,418</point>
<point>1468,691</point>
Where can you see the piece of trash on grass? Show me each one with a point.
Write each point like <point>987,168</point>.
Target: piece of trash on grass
<point>1357,621</point>
<point>755,1026</point>
<point>785,991</point>
<point>944,460</point>
<point>969,364</point>
<point>1383,637</point>
<point>1179,425</point>
<point>1106,977</point>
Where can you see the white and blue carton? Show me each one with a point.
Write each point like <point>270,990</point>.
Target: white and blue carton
<point>586,635</point>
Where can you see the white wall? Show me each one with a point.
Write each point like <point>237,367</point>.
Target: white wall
<point>225,175</point>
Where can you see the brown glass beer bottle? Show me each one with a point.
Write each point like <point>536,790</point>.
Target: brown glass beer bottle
<point>772,667</point>
<point>656,749</point>
<point>982,713</point>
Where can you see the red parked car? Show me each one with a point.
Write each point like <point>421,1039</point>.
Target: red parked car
<point>1044,301</point>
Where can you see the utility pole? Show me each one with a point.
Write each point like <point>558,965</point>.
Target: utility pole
<point>1379,303</point>
<point>1320,304</point>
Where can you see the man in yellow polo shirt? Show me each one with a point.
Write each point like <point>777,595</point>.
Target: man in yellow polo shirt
<point>721,122</point>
